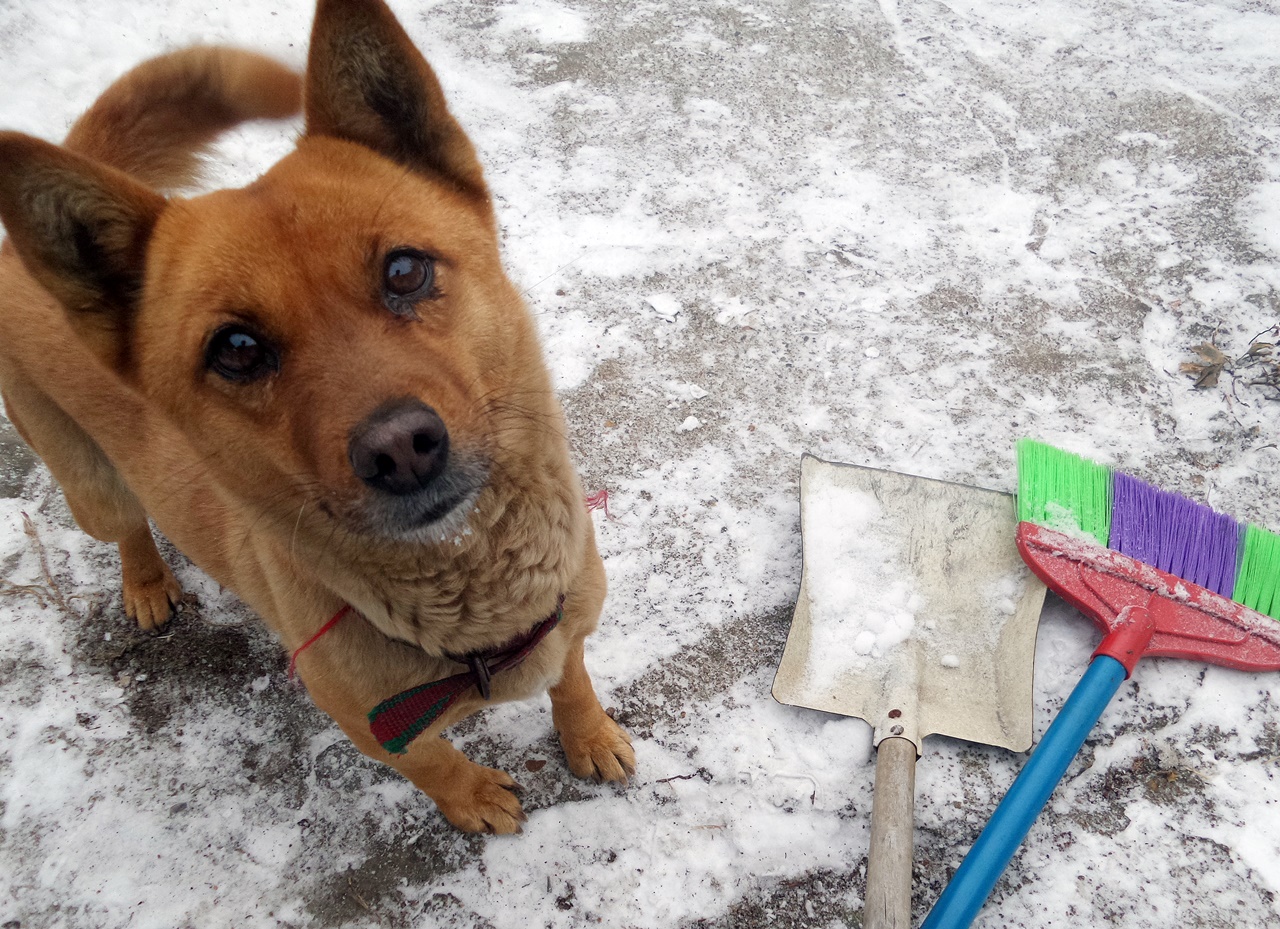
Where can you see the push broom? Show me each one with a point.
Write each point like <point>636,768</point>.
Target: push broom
<point>1159,575</point>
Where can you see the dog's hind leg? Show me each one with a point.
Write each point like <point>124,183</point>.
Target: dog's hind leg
<point>99,500</point>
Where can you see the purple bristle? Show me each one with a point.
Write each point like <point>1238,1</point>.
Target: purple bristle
<point>1179,536</point>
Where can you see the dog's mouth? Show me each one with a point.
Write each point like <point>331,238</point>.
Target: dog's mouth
<point>437,513</point>
<point>418,486</point>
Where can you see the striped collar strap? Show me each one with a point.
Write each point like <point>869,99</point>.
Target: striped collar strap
<point>398,720</point>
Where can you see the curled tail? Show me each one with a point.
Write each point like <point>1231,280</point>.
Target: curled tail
<point>155,121</point>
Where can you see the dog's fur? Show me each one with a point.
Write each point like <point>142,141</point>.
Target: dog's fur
<point>115,308</point>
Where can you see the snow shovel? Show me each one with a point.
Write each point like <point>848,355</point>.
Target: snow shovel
<point>916,614</point>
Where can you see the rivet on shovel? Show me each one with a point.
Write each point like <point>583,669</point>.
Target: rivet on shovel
<point>917,615</point>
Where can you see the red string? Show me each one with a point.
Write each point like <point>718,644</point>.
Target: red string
<point>599,501</point>
<point>293,662</point>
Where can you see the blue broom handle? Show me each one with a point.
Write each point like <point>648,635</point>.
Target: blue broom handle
<point>986,861</point>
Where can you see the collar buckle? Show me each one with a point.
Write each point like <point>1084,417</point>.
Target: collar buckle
<point>479,666</point>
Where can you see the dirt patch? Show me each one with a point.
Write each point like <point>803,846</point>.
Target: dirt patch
<point>16,461</point>
<point>818,899</point>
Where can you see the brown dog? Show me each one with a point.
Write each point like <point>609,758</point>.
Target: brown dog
<point>321,387</point>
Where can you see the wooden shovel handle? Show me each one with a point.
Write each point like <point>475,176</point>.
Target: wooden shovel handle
<point>888,899</point>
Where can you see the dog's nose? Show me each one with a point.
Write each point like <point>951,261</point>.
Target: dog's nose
<point>400,448</point>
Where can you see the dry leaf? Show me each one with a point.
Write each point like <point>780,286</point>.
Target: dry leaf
<point>1205,375</point>
<point>1211,354</point>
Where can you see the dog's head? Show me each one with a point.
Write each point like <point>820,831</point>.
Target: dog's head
<point>339,333</point>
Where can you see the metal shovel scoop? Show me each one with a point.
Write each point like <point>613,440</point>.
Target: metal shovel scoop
<point>916,614</point>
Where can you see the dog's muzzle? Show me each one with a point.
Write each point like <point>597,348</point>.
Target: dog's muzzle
<point>402,452</point>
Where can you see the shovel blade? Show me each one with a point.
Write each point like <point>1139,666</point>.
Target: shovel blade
<point>915,612</point>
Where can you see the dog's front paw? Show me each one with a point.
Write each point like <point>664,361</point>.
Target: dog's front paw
<point>600,750</point>
<point>151,596</point>
<point>480,799</point>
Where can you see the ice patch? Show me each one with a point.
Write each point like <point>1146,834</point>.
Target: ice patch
<point>546,20</point>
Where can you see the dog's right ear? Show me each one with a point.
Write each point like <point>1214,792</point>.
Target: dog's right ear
<point>81,229</point>
<point>368,83</point>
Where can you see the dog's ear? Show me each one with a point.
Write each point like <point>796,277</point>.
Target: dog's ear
<point>81,229</point>
<point>367,83</point>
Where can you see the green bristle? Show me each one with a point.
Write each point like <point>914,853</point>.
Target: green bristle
<point>1258,580</point>
<point>1063,491</point>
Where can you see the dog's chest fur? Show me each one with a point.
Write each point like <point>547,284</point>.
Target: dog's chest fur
<point>480,587</point>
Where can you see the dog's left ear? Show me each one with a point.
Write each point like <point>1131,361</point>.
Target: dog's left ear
<point>367,83</point>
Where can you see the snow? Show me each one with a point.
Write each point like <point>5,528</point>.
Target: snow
<point>863,592</point>
<point>897,234</point>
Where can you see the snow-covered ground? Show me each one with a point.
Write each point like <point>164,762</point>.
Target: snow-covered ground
<point>900,234</point>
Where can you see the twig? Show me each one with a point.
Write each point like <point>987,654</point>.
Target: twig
<point>50,590</point>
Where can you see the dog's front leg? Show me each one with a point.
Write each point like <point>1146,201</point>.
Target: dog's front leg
<point>595,745</point>
<point>471,796</point>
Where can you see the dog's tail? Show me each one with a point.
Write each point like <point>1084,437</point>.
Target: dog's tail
<point>157,120</point>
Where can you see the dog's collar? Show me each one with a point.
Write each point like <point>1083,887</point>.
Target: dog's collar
<point>398,720</point>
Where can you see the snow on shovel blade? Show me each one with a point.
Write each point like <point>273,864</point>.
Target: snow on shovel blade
<point>916,614</point>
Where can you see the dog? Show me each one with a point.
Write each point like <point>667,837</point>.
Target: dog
<point>322,388</point>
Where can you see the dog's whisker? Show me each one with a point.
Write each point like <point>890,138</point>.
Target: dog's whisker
<point>298,522</point>
<point>268,512</point>
<point>178,477</point>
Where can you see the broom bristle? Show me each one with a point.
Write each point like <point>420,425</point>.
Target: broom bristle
<point>1258,583</point>
<point>1175,534</point>
<point>1065,492</point>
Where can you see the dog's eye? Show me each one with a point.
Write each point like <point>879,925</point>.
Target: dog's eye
<point>238,355</point>
<point>408,274</point>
